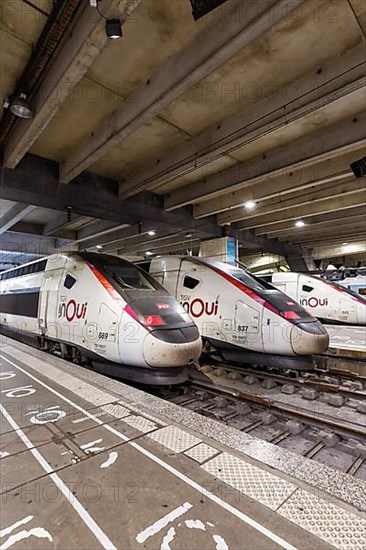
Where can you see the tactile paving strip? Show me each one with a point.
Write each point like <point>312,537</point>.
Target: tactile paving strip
<point>334,525</point>
<point>116,410</point>
<point>91,393</point>
<point>146,415</point>
<point>257,484</point>
<point>201,452</point>
<point>140,423</point>
<point>175,439</point>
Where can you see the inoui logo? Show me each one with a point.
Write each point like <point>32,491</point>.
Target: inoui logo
<point>314,302</point>
<point>72,310</point>
<point>198,307</point>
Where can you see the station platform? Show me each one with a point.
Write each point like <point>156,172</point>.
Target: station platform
<point>348,341</point>
<point>90,462</point>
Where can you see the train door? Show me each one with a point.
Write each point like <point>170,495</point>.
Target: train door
<point>199,293</point>
<point>248,326</point>
<point>43,303</point>
<point>316,299</point>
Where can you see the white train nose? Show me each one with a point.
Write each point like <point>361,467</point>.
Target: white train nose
<point>309,338</point>
<point>167,353</point>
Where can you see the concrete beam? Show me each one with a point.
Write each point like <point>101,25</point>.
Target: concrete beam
<point>316,222</point>
<point>336,234</point>
<point>15,214</point>
<point>300,259</point>
<point>210,48</point>
<point>302,212</point>
<point>81,46</point>
<point>309,93</point>
<point>97,229</point>
<point>170,242</point>
<point>332,141</point>
<point>35,180</point>
<point>137,239</point>
<point>307,195</point>
<point>60,223</point>
<point>27,228</point>
<point>249,240</point>
<point>30,244</point>
<point>111,240</point>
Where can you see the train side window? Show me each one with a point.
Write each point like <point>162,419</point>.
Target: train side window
<point>307,288</point>
<point>190,282</point>
<point>69,281</point>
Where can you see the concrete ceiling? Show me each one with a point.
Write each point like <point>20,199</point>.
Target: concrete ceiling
<point>175,126</point>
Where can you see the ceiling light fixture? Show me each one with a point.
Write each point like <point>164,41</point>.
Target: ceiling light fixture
<point>250,205</point>
<point>188,235</point>
<point>148,253</point>
<point>113,27</point>
<point>99,247</point>
<point>299,223</point>
<point>20,107</point>
<point>203,7</point>
<point>152,232</point>
<point>359,167</point>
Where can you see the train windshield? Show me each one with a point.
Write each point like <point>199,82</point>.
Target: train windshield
<point>347,290</point>
<point>125,276</point>
<point>268,294</point>
<point>250,280</point>
<point>130,278</point>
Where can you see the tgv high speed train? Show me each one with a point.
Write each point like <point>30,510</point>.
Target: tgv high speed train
<point>328,301</point>
<point>353,278</point>
<point>105,309</point>
<point>245,318</point>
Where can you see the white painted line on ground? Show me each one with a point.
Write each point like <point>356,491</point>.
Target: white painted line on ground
<point>234,511</point>
<point>11,528</point>
<point>79,509</point>
<point>110,460</point>
<point>38,532</point>
<point>163,522</point>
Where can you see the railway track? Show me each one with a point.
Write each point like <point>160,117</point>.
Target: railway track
<point>320,415</point>
<point>336,443</point>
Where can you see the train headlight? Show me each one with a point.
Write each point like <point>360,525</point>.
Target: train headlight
<point>151,320</point>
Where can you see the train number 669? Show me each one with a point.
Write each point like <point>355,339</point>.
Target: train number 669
<point>103,335</point>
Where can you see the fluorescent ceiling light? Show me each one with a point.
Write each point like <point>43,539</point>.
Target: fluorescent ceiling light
<point>250,205</point>
<point>299,223</point>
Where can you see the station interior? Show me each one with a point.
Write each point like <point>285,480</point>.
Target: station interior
<point>183,274</point>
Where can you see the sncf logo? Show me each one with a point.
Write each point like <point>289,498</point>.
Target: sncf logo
<point>72,310</point>
<point>314,302</point>
<point>198,307</point>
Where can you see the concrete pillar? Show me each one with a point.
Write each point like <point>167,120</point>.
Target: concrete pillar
<point>300,258</point>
